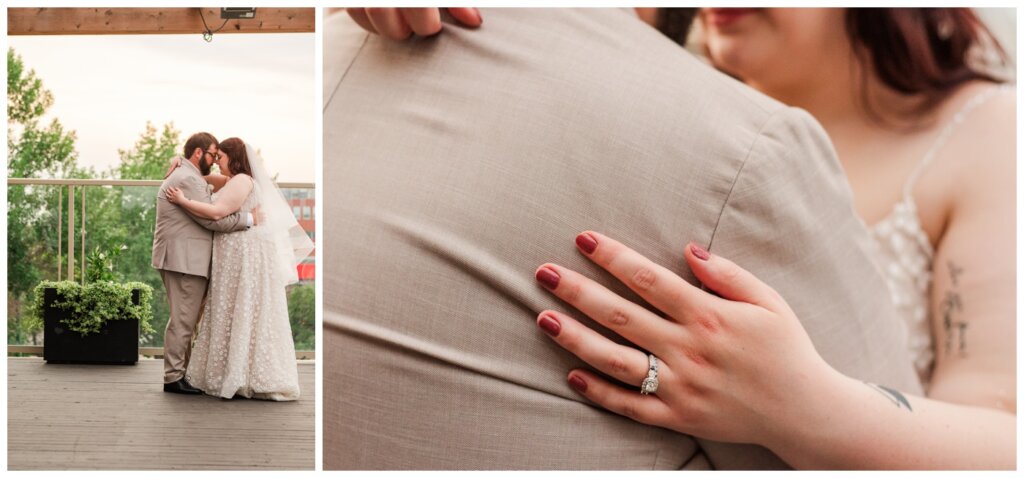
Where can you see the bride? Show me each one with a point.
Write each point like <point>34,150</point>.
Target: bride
<point>244,344</point>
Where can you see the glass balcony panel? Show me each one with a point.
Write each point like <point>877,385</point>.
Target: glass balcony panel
<point>119,219</point>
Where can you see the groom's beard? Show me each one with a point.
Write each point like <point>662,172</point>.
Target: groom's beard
<point>204,167</point>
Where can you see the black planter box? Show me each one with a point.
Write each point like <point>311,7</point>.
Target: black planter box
<point>116,343</point>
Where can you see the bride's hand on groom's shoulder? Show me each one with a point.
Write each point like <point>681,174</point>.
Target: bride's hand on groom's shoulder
<point>173,164</point>
<point>736,366</point>
<point>401,23</point>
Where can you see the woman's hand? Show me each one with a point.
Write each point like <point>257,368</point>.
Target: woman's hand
<point>735,367</point>
<point>400,23</point>
<point>173,164</point>
<point>176,195</point>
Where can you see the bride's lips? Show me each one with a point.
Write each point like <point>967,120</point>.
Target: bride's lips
<point>723,17</point>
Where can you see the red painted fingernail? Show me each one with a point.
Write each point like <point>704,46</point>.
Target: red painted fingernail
<point>578,384</point>
<point>549,325</point>
<point>586,243</point>
<point>700,252</point>
<point>548,278</point>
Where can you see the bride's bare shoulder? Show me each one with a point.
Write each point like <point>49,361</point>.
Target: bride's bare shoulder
<point>984,144</point>
<point>988,133</point>
<point>242,182</point>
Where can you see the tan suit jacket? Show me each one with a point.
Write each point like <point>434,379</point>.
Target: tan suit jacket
<point>183,242</point>
<point>457,164</point>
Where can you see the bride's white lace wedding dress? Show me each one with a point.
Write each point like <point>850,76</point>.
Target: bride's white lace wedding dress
<point>244,343</point>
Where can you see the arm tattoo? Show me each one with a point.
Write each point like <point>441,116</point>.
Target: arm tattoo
<point>955,329</point>
<point>894,396</point>
<point>954,273</point>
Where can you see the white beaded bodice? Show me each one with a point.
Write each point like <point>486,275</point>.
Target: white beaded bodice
<point>904,253</point>
<point>904,256</point>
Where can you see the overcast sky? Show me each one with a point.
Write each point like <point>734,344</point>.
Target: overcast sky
<point>258,87</point>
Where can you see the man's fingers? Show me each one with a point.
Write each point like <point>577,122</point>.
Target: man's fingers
<point>388,22</point>
<point>631,404</point>
<point>469,17</point>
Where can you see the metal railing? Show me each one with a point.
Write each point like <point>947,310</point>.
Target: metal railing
<point>78,187</point>
<point>82,184</point>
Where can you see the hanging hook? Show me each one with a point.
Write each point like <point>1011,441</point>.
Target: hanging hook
<point>208,34</point>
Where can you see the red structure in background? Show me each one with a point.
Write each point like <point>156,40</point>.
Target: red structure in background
<point>303,205</point>
<point>307,271</point>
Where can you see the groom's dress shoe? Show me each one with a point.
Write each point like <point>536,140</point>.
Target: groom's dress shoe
<point>181,386</point>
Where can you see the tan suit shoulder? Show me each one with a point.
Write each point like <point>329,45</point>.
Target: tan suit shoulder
<point>180,244</point>
<point>492,149</point>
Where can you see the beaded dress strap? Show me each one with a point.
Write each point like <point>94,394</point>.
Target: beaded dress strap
<point>944,135</point>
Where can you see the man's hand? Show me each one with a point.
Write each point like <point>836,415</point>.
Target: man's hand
<point>400,23</point>
<point>257,216</point>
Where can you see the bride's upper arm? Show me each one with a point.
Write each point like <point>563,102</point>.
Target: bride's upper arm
<point>973,301</point>
<point>216,180</point>
<point>233,194</point>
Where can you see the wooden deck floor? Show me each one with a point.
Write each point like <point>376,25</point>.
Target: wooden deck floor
<point>118,417</point>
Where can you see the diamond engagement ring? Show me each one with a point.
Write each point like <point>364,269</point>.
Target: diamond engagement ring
<point>650,384</point>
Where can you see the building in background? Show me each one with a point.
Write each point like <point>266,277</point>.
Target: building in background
<point>303,204</point>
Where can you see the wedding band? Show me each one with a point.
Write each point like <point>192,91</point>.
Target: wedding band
<point>650,384</point>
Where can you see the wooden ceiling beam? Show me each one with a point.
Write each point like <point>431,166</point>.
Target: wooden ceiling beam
<point>141,21</point>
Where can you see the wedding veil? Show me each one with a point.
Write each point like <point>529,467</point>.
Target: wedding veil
<point>291,244</point>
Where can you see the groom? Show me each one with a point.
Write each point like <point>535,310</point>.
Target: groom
<point>182,247</point>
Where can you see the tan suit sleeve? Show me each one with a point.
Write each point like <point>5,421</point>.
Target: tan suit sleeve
<point>196,190</point>
<point>790,220</point>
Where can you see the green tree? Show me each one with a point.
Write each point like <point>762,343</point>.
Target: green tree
<point>148,158</point>
<point>302,313</point>
<point>33,151</point>
<point>119,220</point>
<point>134,212</point>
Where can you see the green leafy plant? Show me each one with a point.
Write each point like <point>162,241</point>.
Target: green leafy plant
<point>93,304</point>
<point>101,264</point>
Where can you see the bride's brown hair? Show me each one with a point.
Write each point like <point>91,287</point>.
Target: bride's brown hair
<point>923,51</point>
<point>239,160</point>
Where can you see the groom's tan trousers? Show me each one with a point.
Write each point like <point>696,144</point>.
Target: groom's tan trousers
<point>186,294</point>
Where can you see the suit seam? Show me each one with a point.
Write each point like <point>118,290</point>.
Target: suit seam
<point>739,172</point>
<point>337,85</point>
